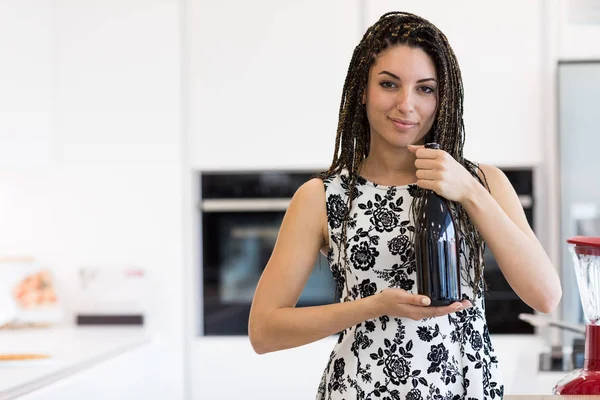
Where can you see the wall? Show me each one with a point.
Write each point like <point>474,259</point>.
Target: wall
<point>109,190</point>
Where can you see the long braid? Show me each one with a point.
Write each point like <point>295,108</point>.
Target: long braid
<point>353,134</point>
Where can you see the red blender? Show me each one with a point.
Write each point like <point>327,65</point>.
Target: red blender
<point>586,260</point>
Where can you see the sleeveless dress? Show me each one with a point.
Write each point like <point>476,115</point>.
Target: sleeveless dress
<point>388,358</point>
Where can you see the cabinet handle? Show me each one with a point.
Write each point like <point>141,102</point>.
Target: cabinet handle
<point>526,200</point>
<point>242,205</point>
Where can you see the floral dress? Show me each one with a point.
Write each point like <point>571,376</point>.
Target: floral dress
<point>389,358</point>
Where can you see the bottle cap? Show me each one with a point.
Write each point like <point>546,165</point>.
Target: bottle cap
<point>434,146</point>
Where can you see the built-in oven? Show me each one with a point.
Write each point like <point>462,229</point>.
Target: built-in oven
<point>241,214</point>
<point>241,217</point>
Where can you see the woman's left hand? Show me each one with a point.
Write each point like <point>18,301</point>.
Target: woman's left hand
<point>440,172</point>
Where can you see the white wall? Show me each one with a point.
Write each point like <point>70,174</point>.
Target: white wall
<point>110,190</point>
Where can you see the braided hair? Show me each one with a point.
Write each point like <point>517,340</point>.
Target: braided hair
<point>353,133</point>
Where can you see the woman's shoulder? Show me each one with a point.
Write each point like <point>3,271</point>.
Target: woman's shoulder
<point>313,186</point>
<point>311,193</point>
<point>489,171</point>
<point>494,178</point>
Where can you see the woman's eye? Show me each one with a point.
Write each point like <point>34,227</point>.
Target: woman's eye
<point>388,84</point>
<point>427,89</point>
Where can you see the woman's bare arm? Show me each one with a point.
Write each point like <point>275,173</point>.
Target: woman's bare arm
<point>501,220</point>
<point>275,323</point>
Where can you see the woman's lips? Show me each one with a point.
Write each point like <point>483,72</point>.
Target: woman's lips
<point>403,125</point>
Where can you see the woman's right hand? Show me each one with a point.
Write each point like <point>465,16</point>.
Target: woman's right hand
<point>400,303</point>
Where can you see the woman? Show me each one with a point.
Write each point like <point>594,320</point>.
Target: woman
<point>403,89</point>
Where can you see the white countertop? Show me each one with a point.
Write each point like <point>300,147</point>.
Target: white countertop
<point>72,348</point>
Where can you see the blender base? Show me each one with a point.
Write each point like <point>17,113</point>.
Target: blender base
<point>586,380</point>
<point>579,382</point>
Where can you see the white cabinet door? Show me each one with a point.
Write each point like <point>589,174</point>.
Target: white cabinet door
<point>266,80</point>
<point>499,48</point>
<point>117,76</point>
<point>25,82</point>
<point>578,26</point>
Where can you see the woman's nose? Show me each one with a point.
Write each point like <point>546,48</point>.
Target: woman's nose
<point>404,101</point>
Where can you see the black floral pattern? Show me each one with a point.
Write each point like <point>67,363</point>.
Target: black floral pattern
<point>336,211</point>
<point>437,356</point>
<point>367,288</point>
<point>390,358</point>
<point>363,256</point>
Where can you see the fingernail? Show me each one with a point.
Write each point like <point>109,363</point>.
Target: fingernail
<point>425,301</point>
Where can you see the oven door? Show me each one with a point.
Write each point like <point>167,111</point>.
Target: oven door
<point>238,239</point>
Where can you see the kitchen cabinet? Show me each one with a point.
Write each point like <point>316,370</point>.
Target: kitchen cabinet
<point>578,24</point>
<point>499,46</point>
<point>25,79</point>
<point>297,372</point>
<point>265,81</point>
<point>117,77</point>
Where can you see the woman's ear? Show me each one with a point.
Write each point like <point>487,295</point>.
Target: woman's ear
<point>364,97</point>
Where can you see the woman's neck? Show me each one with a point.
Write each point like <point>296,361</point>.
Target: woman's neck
<point>393,167</point>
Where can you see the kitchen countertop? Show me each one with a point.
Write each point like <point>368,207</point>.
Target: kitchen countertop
<point>72,348</point>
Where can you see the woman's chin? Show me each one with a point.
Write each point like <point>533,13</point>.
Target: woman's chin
<point>402,143</point>
<point>401,140</point>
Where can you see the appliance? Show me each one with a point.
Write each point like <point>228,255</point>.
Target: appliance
<point>111,295</point>
<point>241,214</point>
<point>578,164</point>
<point>586,261</point>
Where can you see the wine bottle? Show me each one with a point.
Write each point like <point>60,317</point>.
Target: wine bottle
<point>438,269</point>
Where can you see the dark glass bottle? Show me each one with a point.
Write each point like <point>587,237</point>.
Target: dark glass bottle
<point>438,270</point>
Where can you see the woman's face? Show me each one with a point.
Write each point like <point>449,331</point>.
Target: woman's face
<point>402,96</point>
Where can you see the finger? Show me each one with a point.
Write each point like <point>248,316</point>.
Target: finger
<point>432,312</point>
<point>427,174</point>
<point>426,163</point>
<point>457,306</point>
<point>413,148</point>
<point>415,299</point>
<point>428,153</point>
<point>444,310</point>
<point>427,184</point>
